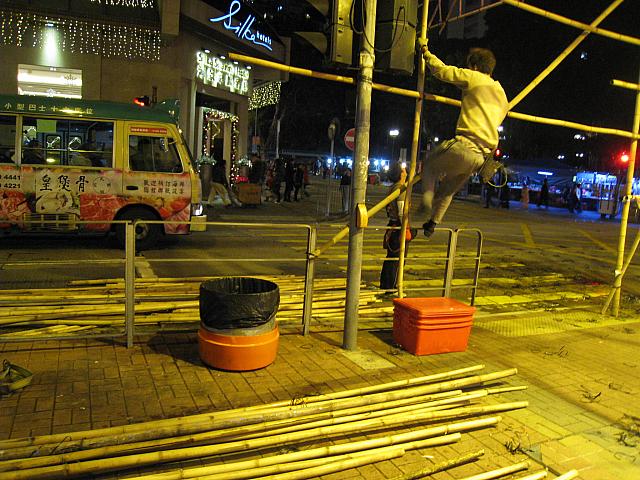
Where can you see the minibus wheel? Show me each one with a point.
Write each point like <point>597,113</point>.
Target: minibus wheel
<point>147,234</point>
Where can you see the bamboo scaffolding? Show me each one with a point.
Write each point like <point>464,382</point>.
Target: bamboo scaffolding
<point>572,46</point>
<point>56,307</point>
<point>279,466</point>
<point>210,436</point>
<point>500,472</point>
<point>212,417</point>
<point>572,23</point>
<point>130,443</point>
<point>414,153</point>
<point>117,445</point>
<point>64,469</point>
<point>227,469</point>
<point>439,467</point>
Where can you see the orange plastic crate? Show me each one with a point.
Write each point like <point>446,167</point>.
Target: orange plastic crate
<point>430,325</point>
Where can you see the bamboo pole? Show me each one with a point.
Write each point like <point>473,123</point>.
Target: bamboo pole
<point>568,476</point>
<point>370,213</point>
<point>572,46</point>
<point>617,281</point>
<point>101,448</point>
<point>339,466</point>
<point>417,118</point>
<point>212,417</point>
<point>278,468</point>
<point>627,262</point>
<point>94,448</point>
<point>627,85</point>
<point>63,469</point>
<point>439,467</point>
<point>320,452</point>
<point>500,472</point>
<point>572,23</point>
<point>572,125</point>
<point>535,476</point>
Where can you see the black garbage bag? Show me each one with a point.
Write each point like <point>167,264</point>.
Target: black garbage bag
<point>238,302</point>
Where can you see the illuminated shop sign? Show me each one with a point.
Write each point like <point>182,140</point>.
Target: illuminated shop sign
<point>242,28</point>
<point>223,74</point>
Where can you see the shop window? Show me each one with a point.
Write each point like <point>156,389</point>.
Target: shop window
<point>153,154</point>
<point>46,81</point>
<point>7,139</point>
<point>75,143</point>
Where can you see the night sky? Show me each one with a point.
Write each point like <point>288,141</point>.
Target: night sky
<point>578,90</point>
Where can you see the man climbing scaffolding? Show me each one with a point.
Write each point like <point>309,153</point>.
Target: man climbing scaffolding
<point>484,107</point>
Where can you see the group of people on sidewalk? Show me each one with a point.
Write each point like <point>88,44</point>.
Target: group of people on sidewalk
<point>294,175</point>
<point>269,176</point>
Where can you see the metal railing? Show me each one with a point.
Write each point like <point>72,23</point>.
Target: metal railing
<point>309,258</point>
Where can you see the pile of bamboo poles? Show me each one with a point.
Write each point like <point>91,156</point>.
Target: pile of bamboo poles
<point>396,417</point>
<point>165,301</point>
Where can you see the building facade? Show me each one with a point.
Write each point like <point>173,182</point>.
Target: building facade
<point>119,50</point>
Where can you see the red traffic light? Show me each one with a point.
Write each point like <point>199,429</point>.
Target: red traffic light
<point>142,101</point>
<point>624,158</point>
<point>497,153</point>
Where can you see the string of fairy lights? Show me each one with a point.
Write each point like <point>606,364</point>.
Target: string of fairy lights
<point>79,36</point>
<point>126,3</point>
<point>265,95</point>
<point>210,115</point>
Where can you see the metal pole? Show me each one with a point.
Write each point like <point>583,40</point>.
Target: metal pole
<point>308,280</point>
<point>129,281</point>
<point>359,178</point>
<point>617,283</point>
<point>414,152</point>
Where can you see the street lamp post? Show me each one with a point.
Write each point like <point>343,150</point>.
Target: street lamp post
<point>393,133</point>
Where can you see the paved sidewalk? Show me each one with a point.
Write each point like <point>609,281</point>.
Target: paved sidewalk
<point>582,389</point>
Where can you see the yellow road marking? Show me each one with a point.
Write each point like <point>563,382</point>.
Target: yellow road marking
<point>528,236</point>
<point>598,242</point>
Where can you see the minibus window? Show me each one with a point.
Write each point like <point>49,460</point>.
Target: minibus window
<point>67,142</point>
<point>153,154</point>
<point>7,138</point>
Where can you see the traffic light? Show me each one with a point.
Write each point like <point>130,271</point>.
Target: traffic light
<point>335,40</point>
<point>396,22</point>
<point>497,154</point>
<point>624,158</point>
<point>143,101</point>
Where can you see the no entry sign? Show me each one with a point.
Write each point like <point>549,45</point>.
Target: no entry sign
<point>350,138</point>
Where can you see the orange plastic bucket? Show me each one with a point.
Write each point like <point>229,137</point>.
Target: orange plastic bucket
<point>431,325</point>
<point>238,353</point>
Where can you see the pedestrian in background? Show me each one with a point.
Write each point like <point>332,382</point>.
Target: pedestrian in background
<point>298,181</point>
<point>543,196</point>
<point>391,241</point>
<point>305,181</point>
<point>345,189</point>
<point>488,195</point>
<point>219,184</point>
<point>524,195</point>
<point>289,171</point>
<point>278,177</point>
<point>484,106</point>
<point>575,198</point>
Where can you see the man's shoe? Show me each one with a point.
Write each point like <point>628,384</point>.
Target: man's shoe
<point>429,228</point>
